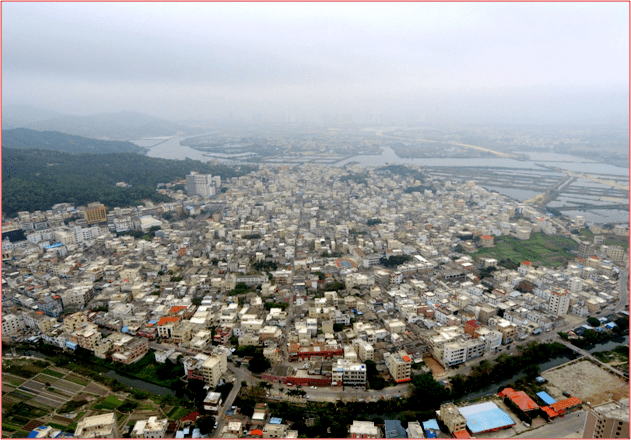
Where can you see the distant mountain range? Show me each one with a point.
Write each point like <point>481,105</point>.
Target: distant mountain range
<point>110,126</point>
<point>22,138</point>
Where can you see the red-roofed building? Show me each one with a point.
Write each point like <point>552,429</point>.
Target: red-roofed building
<point>519,398</point>
<point>486,241</point>
<point>471,326</point>
<point>566,405</point>
<point>175,310</point>
<point>191,417</point>
<point>256,432</point>
<point>165,326</point>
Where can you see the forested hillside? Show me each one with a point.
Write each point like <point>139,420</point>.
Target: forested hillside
<point>34,179</point>
<point>52,140</point>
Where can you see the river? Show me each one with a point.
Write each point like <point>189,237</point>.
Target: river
<point>140,384</point>
<point>172,149</point>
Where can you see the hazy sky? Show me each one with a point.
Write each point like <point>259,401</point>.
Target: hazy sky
<point>467,62</point>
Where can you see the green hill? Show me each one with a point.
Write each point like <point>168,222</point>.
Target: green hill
<point>34,179</point>
<point>52,140</point>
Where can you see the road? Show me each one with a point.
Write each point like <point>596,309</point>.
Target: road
<point>570,426</point>
<point>220,418</point>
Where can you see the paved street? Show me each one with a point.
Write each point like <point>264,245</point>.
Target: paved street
<point>570,426</point>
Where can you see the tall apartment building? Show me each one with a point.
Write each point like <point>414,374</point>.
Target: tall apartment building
<point>95,213</point>
<point>201,184</point>
<point>610,420</point>
<point>366,351</point>
<point>585,249</point>
<point>103,426</point>
<point>400,366</point>
<point>213,368</point>
<point>452,418</point>
<point>559,303</point>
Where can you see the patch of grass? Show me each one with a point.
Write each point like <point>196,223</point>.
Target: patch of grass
<point>53,373</point>
<point>20,434</point>
<point>110,402</point>
<point>177,413</point>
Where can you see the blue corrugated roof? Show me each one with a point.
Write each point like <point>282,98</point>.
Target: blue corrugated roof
<point>431,424</point>
<point>484,417</point>
<point>276,420</point>
<point>547,398</point>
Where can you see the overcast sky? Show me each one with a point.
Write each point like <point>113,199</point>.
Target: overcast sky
<point>467,62</point>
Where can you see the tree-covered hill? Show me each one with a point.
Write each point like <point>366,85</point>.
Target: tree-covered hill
<point>34,179</point>
<point>52,140</point>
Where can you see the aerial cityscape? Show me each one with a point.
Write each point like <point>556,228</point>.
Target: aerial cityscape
<point>234,220</point>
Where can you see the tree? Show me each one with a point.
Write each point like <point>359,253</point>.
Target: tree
<point>594,322</point>
<point>258,364</point>
<point>206,424</point>
<point>244,384</point>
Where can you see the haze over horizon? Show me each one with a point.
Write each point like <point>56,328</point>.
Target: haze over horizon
<point>516,63</point>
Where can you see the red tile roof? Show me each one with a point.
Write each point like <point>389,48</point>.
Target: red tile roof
<point>191,416</point>
<point>462,434</point>
<point>167,319</point>
<point>519,398</point>
<point>562,405</point>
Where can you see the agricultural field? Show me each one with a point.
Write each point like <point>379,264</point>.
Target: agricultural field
<point>36,393</point>
<point>540,249</point>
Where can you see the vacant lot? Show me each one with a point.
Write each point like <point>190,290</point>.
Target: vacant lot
<point>586,381</point>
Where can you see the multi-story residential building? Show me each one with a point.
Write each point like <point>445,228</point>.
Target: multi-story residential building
<point>452,418</point>
<point>349,373</point>
<point>129,349</point>
<point>74,321</point>
<point>200,185</point>
<point>585,249</point>
<point>150,428</point>
<point>364,429</point>
<point>165,326</point>
<point>101,426</point>
<point>95,213</point>
<point>86,336</point>
<point>559,302</point>
<point>213,368</point>
<point>11,324</point>
<point>400,366</point>
<point>365,351</point>
<point>610,420</point>
<point>38,321</point>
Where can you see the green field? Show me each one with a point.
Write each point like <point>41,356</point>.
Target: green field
<point>110,402</point>
<point>540,249</point>
<point>53,373</point>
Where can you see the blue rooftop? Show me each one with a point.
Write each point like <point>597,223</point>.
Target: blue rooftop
<point>276,420</point>
<point>547,398</point>
<point>485,417</point>
<point>431,424</point>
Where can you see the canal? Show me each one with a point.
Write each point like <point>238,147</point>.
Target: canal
<point>604,346</point>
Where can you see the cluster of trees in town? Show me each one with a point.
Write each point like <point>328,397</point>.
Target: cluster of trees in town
<point>394,260</point>
<point>36,179</point>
